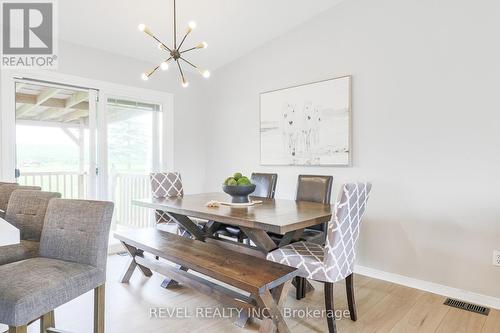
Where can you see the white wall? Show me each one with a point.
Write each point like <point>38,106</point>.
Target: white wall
<point>425,106</point>
<point>189,124</point>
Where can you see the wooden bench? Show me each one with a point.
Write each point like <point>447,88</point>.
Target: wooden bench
<point>266,282</point>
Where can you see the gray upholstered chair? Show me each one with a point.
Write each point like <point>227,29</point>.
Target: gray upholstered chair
<point>26,211</point>
<point>72,261</point>
<point>6,190</point>
<point>334,261</point>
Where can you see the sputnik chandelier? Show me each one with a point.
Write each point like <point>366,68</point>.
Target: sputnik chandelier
<point>175,53</point>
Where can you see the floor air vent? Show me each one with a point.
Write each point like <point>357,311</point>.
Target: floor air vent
<point>467,306</point>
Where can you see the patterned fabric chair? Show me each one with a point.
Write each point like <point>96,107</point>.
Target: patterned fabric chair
<point>335,261</point>
<point>26,211</point>
<point>6,190</point>
<point>165,185</point>
<point>168,185</point>
<point>72,261</point>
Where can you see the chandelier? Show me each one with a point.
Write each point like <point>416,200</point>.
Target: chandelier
<point>175,53</point>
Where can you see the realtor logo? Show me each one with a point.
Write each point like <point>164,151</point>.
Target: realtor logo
<point>28,34</point>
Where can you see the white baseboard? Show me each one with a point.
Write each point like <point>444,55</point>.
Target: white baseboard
<point>435,288</point>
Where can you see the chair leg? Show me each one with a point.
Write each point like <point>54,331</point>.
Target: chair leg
<point>47,321</point>
<point>349,286</point>
<point>299,286</point>
<point>330,310</point>
<point>99,303</point>
<point>241,237</point>
<point>18,329</point>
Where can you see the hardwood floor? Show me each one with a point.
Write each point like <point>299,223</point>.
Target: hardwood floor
<point>382,307</point>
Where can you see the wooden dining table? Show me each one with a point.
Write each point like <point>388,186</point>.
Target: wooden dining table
<point>279,216</point>
<point>284,217</point>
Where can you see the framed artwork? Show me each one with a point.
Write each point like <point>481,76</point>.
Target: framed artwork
<point>308,124</point>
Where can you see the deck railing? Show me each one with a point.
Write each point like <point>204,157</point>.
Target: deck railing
<point>123,188</point>
<point>71,185</point>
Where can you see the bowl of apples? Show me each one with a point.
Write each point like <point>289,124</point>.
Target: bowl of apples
<point>238,187</point>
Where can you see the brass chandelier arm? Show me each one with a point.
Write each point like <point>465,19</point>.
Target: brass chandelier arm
<point>165,46</point>
<point>151,72</point>
<point>183,39</point>
<point>180,70</point>
<point>190,63</point>
<point>159,41</point>
<point>191,49</point>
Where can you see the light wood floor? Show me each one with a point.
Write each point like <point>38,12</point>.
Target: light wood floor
<point>382,307</point>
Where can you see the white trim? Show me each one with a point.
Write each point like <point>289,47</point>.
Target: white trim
<point>92,190</point>
<point>432,287</point>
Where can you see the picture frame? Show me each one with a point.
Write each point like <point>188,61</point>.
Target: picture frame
<point>308,124</point>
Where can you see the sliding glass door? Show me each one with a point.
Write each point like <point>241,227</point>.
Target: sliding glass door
<point>87,143</point>
<point>55,138</point>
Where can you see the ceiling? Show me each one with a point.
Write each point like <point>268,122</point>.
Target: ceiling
<point>232,28</point>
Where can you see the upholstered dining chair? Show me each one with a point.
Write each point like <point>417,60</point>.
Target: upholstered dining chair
<point>318,189</point>
<point>265,187</point>
<point>72,261</point>
<point>334,261</point>
<point>26,211</point>
<point>165,185</point>
<point>5,192</point>
<point>265,184</point>
<point>168,185</point>
<point>312,188</point>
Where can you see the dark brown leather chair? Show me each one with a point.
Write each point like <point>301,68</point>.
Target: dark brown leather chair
<point>265,184</point>
<point>265,188</point>
<point>312,188</point>
<point>318,189</point>
<point>315,189</point>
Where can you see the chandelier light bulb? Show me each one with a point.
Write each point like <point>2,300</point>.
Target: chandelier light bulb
<point>205,74</point>
<point>192,25</point>
<point>202,45</point>
<point>144,76</point>
<point>164,66</point>
<point>141,27</point>
<point>185,84</point>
